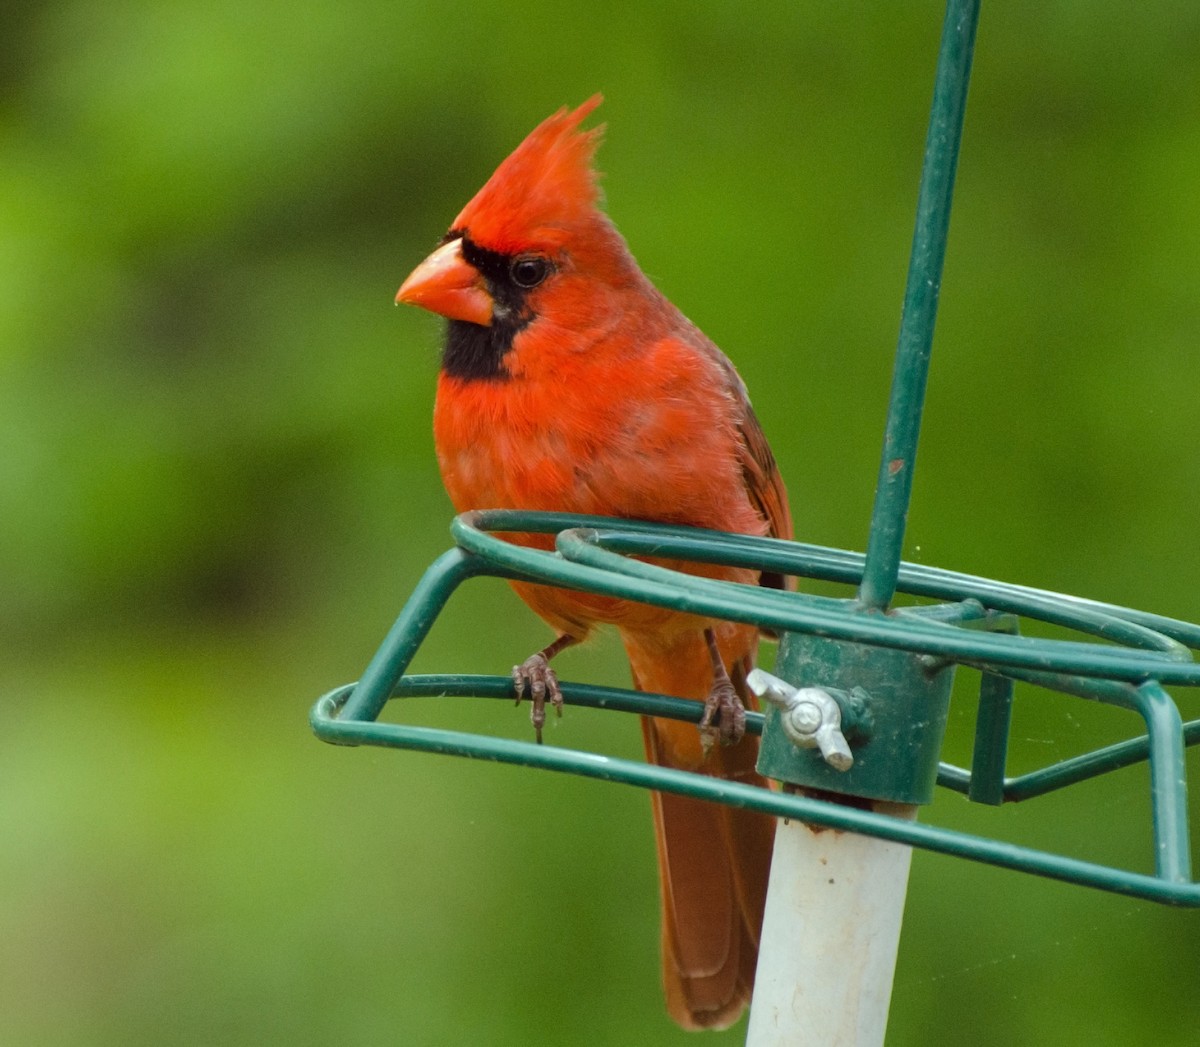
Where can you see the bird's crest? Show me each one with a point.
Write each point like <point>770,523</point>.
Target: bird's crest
<point>543,190</point>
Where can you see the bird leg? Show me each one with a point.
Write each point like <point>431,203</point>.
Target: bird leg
<point>722,704</point>
<point>535,675</point>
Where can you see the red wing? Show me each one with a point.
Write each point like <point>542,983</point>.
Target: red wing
<point>766,489</point>
<point>760,474</point>
<point>763,482</point>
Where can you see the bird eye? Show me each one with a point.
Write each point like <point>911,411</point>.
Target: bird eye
<point>529,271</point>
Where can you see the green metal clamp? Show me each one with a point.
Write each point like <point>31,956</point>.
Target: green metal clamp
<point>907,700</point>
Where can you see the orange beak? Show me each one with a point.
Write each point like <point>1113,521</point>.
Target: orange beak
<point>444,283</point>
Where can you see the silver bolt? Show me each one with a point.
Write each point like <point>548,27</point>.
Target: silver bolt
<point>812,718</point>
<point>805,717</point>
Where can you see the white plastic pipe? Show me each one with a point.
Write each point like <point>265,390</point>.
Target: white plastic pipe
<point>830,936</point>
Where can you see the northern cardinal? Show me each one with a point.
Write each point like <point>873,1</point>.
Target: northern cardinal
<point>570,383</point>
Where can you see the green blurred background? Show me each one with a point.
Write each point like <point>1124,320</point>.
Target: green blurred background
<point>217,487</point>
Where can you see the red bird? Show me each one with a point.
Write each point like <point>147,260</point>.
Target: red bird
<point>570,383</point>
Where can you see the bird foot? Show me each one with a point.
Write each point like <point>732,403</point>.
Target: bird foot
<point>535,676</point>
<point>724,718</point>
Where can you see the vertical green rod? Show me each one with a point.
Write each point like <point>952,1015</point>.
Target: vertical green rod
<point>920,305</point>
<point>1168,783</point>
<point>991,739</point>
<point>992,725</point>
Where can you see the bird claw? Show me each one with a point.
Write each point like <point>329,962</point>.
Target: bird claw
<point>724,718</point>
<point>535,676</point>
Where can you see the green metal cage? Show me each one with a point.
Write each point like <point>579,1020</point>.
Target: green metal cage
<point>1121,657</point>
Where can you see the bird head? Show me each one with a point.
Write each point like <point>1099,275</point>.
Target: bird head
<point>532,237</point>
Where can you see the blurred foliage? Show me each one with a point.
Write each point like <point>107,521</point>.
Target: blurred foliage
<point>217,485</point>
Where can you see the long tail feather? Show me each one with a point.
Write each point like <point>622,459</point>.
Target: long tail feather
<point>714,862</point>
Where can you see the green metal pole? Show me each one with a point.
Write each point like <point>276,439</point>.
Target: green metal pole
<point>920,305</point>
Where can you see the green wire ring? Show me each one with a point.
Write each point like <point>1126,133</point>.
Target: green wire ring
<point>590,557</point>
<point>592,553</point>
